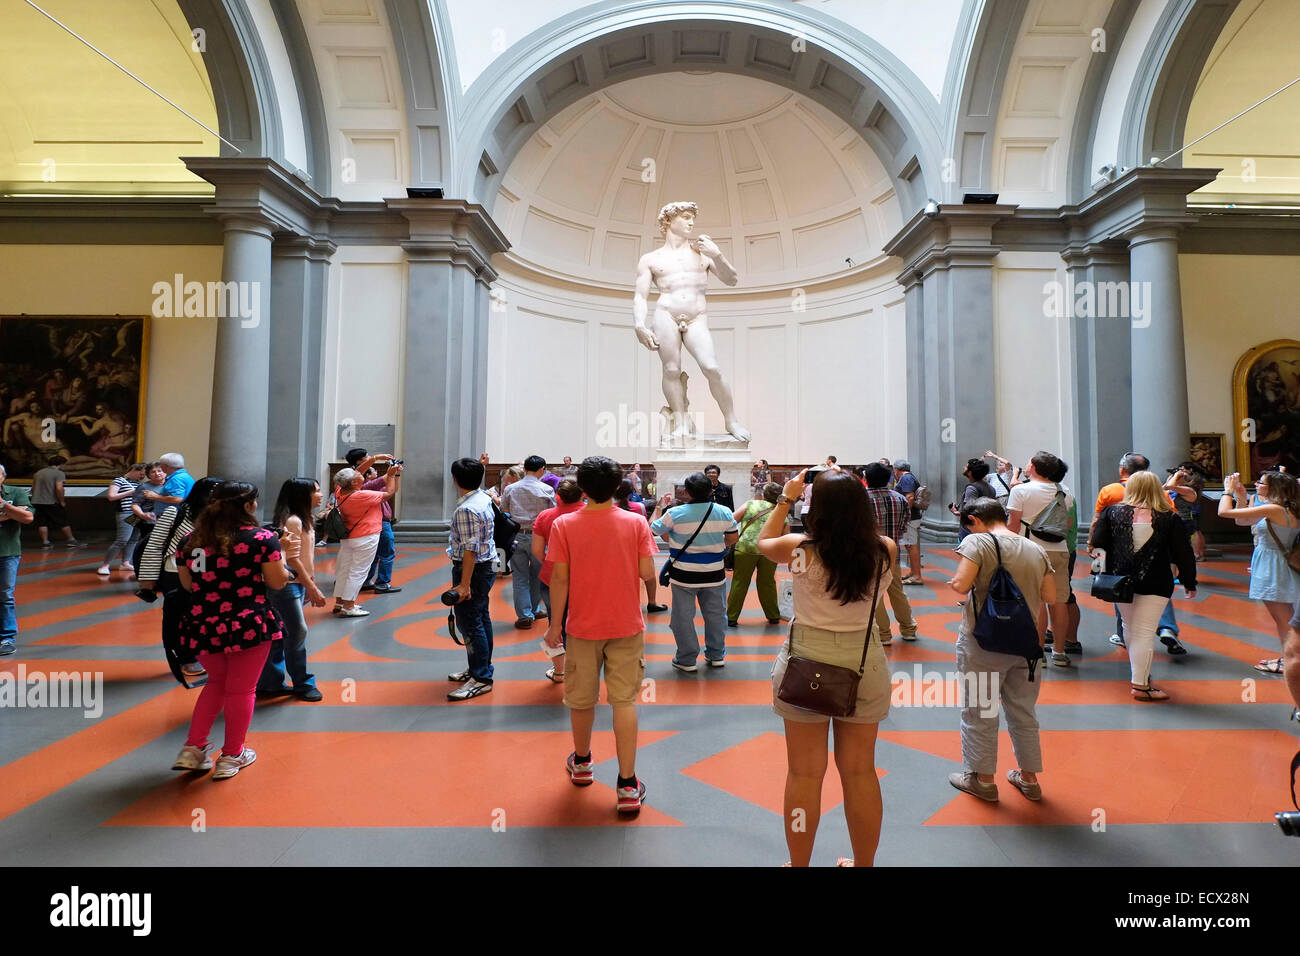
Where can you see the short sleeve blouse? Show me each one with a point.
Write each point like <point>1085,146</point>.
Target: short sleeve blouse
<point>230,610</point>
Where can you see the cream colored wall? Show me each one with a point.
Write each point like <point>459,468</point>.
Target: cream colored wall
<point>108,280</point>
<point>1230,305</point>
<point>1032,375</point>
<point>825,380</point>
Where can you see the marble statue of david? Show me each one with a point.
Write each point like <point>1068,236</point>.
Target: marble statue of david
<point>679,271</point>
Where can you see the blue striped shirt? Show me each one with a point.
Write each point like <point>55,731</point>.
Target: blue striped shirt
<point>707,550</point>
<point>471,528</point>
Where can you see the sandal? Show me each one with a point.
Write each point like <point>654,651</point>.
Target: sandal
<point>1272,666</point>
<point>553,677</point>
<point>844,861</point>
<point>1148,693</point>
<point>914,582</point>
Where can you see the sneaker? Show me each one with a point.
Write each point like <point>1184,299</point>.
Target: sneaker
<point>1073,647</point>
<point>74,544</point>
<point>105,571</point>
<point>1032,791</point>
<point>886,639</point>
<point>385,589</point>
<point>523,623</point>
<point>713,663</point>
<point>271,693</point>
<point>631,798</point>
<point>7,647</point>
<point>47,545</point>
<point>310,694</point>
<point>1060,660</point>
<point>355,611</point>
<point>908,637</point>
<point>469,690</point>
<point>227,767</point>
<point>128,568</point>
<point>656,608</point>
<point>193,758</point>
<point>1170,640</point>
<point>460,677</point>
<point>731,623</point>
<point>580,774</point>
<point>1117,640</point>
<point>970,783</point>
<point>367,587</point>
<point>685,668</point>
<point>538,615</point>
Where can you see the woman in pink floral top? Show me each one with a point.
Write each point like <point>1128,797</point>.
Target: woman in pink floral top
<point>226,564</point>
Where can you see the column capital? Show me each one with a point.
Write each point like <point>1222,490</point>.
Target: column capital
<point>1154,231</point>
<point>282,196</point>
<point>1143,197</point>
<point>1086,255</point>
<point>303,247</point>
<point>955,236</point>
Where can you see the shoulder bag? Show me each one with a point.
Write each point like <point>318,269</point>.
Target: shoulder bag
<point>729,559</point>
<point>1118,588</point>
<point>1292,556</point>
<point>826,689</point>
<point>665,575</point>
<point>333,525</point>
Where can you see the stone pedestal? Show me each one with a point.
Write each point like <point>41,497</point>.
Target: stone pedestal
<point>674,463</point>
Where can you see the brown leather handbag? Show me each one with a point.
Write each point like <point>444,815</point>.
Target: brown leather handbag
<point>826,689</point>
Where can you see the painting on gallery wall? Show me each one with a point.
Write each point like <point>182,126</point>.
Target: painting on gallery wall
<point>1266,408</point>
<point>72,387</point>
<point>1207,453</point>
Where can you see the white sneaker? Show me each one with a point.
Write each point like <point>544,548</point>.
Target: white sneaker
<point>105,571</point>
<point>227,767</point>
<point>355,611</point>
<point>193,758</point>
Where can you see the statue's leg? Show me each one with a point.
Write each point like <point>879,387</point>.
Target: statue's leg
<point>670,353</point>
<point>699,343</point>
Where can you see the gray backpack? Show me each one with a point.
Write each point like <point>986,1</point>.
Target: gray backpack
<point>1053,524</point>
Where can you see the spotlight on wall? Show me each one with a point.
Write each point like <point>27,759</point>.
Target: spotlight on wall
<point>931,208</point>
<point>849,260</point>
<point>423,192</point>
<point>1106,176</point>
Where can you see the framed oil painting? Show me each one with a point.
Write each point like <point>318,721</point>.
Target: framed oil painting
<point>1207,453</point>
<point>72,387</point>
<point>1266,405</point>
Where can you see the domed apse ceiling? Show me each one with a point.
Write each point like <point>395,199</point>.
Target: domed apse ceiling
<point>786,189</point>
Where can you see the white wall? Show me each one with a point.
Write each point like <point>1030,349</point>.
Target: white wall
<point>1230,305</point>
<point>827,380</point>
<point>107,280</point>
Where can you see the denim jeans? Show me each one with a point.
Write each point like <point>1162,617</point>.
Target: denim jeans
<point>124,543</point>
<point>381,569</point>
<point>473,620</point>
<point>8,580</point>
<point>525,584</point>
<point>713,608</point>
<point>1167,620</point>
<point>289,654</point>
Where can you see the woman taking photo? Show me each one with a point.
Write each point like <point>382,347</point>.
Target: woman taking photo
<point>1141,537</point>
<point>299,498</point>
<point>838,566</point>
<point>976,474</point>
<point>363,517</point>
<point>1275,522</point>
<point>226,564</point>
<point>747,560</point>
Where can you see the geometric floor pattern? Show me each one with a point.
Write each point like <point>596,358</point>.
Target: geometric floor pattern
<point>385,771</point>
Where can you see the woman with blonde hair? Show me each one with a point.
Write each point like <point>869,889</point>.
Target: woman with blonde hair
<point>1275,522</point>
<point>1140,538</point>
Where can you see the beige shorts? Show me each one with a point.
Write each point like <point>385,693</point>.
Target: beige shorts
<point>843,648</point>
<point>1060,564</point>
<point>623,659</point>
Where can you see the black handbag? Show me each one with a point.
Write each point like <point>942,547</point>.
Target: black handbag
<point>664,575</point>
<point>1118,588</point>
<point>826,689</point>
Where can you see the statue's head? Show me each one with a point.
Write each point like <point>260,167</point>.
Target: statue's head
<point>672,211</point>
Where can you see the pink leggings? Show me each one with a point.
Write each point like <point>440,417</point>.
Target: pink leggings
<point>232,681</point>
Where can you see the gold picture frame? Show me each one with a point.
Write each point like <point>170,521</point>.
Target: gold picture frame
<point>1266,408</point>
<point>98,427</point>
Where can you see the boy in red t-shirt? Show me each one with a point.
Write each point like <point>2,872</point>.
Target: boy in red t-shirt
<point>601,555</point>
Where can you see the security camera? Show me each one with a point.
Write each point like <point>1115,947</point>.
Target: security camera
<point>849,260</point>
<point>931,208</point>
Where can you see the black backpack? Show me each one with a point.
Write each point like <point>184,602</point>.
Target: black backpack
<point>504,529</point>
<point>1005,624</point>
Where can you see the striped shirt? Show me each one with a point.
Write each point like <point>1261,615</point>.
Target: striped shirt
<point>154,559</point>
<point>471,528</point>
<point>127,486</point>
<point>701,565</point>
<point>892,512</point>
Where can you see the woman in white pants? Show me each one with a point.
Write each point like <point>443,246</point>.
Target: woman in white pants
<point>363,516</point>
<point>1141,537</point>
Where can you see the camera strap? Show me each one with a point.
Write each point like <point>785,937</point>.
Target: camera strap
<point>1295,765</point>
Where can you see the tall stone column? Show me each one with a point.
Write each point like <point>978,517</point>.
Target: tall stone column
<point>299,280</point>
<point>1159,364</point>
<point>444,390</point>
<point>237,442</point>
<point>1100,358</point>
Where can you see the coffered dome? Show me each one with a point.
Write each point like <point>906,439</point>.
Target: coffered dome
<point>786,189</point>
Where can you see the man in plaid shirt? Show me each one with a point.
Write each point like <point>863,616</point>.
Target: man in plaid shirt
<point>472,550</point>
<point>892,514</point>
